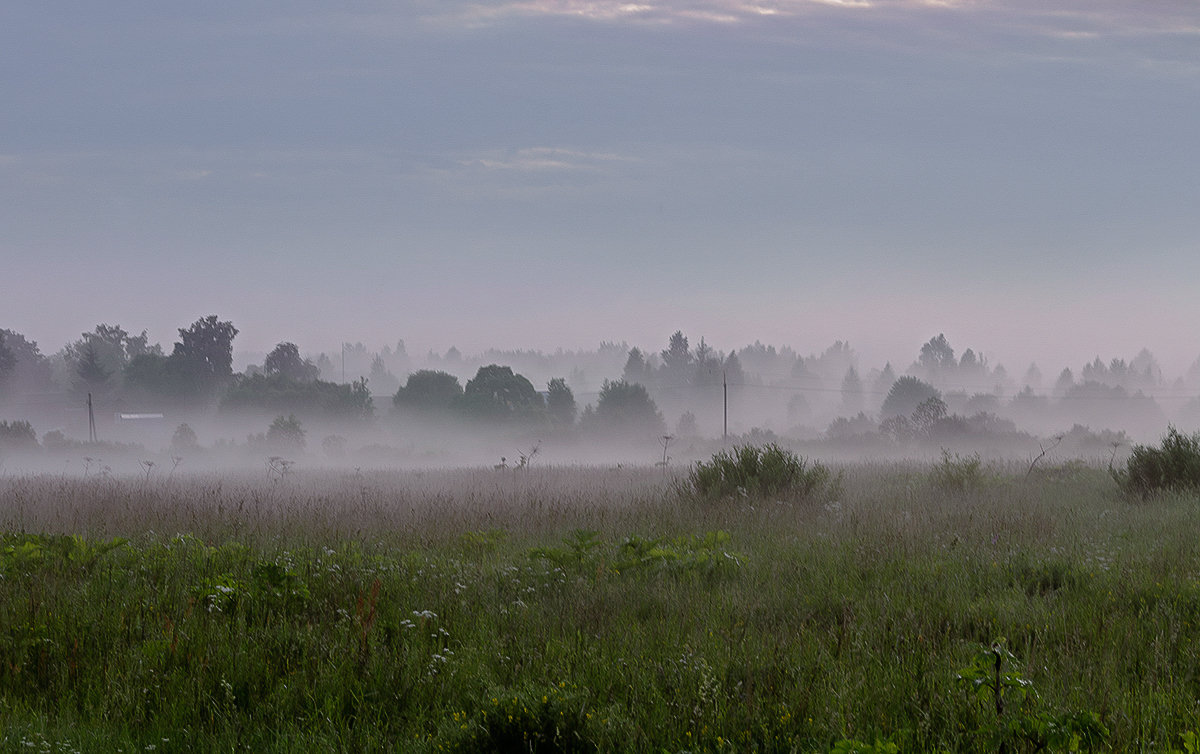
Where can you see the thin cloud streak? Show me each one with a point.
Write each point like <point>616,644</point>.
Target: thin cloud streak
<point>540,159</point>
<point>1077,19</point>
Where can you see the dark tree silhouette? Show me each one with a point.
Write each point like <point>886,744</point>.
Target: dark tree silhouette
<point>636,368</point>
<point>202,360</point>
<point>676,359</point>
<point>906,394</point>
<point>428,391</point>
<point>627,408</point>
<point>285,360</point>
<point>560,402</point>
<point>937,357</point>
<point>497,393</point>
<point>8,361</point>
<point>90,374</point>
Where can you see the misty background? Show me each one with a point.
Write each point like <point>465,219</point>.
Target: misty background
<point>556,173</point>
<point>491,183</point>
<point>111,393</point>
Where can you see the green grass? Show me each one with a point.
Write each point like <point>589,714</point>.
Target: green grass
<point>584,609</point>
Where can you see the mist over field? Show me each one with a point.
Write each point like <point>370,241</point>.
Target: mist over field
<point>594,232</point>
<point>600,376</point>
<point>158,409</point>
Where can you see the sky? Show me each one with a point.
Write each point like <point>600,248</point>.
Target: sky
<point>1017,174</point>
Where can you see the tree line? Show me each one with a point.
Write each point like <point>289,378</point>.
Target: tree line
<point>828,389</point>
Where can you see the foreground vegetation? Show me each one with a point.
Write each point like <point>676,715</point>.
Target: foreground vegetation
<point>587,609</point>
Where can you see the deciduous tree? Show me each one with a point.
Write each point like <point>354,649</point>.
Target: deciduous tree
<point>285,360</point>
<point>497,393</point>
<point>202,360</point>
<point>906,394</point>
<point>90,375</point>
<point>560,402</point>
<point>937,358</point>
<point>8,362</point>
<point>428,391</point>
<point>627,408</point>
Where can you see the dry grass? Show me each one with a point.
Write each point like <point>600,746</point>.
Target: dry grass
<point>427,505</point>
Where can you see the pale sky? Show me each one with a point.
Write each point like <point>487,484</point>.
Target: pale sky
<point>1023,176</point>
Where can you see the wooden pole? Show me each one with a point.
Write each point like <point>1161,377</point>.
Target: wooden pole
<point>91,421</point>
<point>725,397</point>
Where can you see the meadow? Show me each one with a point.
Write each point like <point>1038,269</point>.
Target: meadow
<point>906,607</point>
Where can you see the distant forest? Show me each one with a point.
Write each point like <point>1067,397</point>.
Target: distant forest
<point>687,389</point>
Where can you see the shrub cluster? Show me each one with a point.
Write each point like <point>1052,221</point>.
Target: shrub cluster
<point>955,473</point>
<point>1173,466</point>
<point>758,471</point>
<point>524,720</point>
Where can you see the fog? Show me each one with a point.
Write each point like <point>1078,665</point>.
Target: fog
<point>158,409</point>
<point>543,187</point>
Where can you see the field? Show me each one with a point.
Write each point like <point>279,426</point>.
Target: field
<point>597,609</point>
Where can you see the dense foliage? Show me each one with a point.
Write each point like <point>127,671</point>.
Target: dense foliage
<point>278,393</point>
<point>496,393</point>
<point>625,407</point>
<point>17,435</point>
<point>905,395</point>
<point>429,392</point>
<point>1173,466</point>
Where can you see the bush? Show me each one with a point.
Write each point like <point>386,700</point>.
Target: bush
<point>184,440</point>
<point>523,720</point>
<point>754,471</point>
<point>286,433</point>
<point>1173,466</point>
<point>957,473</point>
<point>56,440</point>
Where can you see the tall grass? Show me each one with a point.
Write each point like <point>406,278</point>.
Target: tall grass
<point>582,610</point>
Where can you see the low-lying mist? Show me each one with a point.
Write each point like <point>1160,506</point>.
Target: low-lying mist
<point>113,403</point>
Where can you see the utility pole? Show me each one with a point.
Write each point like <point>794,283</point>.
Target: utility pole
<point>91,421</point>
<point>725,397</point>
<point>343,362</point>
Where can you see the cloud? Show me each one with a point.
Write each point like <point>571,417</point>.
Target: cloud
<point>667,11</point>
<point>543,159</point>
<point>1070,19</point>
<point>549,175</point>
<point>198,174</point>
